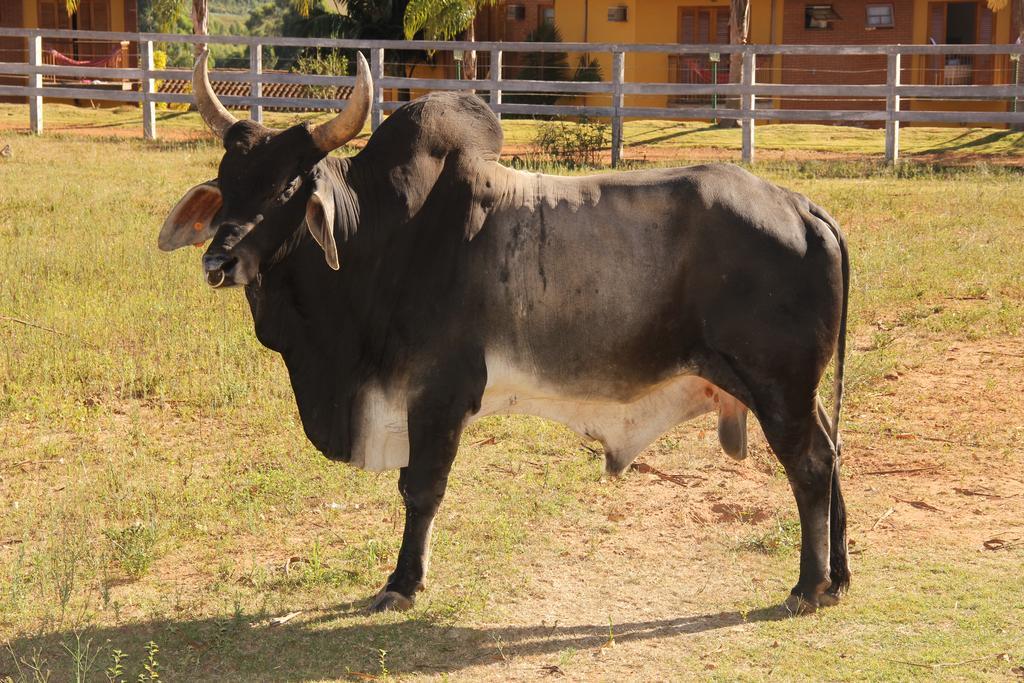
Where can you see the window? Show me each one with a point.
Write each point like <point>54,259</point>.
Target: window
<point>515,12</point>
<point>820,17</point>
<point>879,16</point>
<point>546,16</point>
<point>617,13</point>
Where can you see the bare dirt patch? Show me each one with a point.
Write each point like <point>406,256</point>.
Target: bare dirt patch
<point>946,472</point>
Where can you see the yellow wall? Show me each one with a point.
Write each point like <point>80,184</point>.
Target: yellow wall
<point>30,13</point>
<point>656,21</point>
<point>648,21</point>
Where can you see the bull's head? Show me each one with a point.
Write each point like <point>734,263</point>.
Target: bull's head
<point>266,187</point>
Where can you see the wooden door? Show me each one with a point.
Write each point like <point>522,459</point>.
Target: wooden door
<point>701,26</point>
<point>94,15</point>
<point>955,69</point>
<point>11,49</point>
<point>54,14</point>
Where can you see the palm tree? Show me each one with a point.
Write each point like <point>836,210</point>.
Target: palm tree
<point>445,20</point>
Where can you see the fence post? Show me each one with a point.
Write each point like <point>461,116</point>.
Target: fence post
<point>35,100</point>
<point>148,105</point>
<point>618,76</point>
<point>377,73</point>
<point>1018,80</point>
<point>495,84</point>
<point>747,104</point>
<point>255,82</point>
<point>892,108</point>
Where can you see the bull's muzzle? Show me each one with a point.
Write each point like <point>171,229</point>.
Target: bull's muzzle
<point>213,280</point>
<point>219,269</point>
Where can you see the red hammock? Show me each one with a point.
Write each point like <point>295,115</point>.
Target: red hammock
<point>63,59</point>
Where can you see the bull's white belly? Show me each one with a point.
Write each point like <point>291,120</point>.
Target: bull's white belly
<point>623,428</point>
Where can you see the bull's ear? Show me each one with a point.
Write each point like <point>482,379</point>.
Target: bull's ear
<point>191,219</point>
<point>320,222</point>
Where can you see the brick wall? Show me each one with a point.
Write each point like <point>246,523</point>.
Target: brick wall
<point>493,23</point>
<point>850,30</point>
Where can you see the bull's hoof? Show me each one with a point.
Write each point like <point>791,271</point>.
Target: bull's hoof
<point>801,604</point>
<point>390,601</point>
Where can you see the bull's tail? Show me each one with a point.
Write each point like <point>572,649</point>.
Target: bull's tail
<point>838,558</point>
<point>837,403</point>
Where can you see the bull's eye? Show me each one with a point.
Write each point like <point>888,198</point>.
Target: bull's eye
<point>289,191</point>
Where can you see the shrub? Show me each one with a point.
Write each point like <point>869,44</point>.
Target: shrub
<point>159,63</point>
<point>132,547</point>
<point>323,63</point>
<point>575,145</point>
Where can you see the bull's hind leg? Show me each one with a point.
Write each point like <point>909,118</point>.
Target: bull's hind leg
<point>803,447</point>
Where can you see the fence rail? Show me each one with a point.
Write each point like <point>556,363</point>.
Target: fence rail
<point>744,91</point>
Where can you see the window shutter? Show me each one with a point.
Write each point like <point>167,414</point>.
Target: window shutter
<point>704,27</point>
<point>985,33</point>
<point>85,16</point>
<point>936,34</point>
<point>131,15</point>
<point>47,15</point>
<point>984,65</point>
<point>722,34</point>
<point>937,22</point>
<point>101,15</point>
<point>686,34</point>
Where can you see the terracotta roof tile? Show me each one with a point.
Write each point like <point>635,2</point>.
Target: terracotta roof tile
<point>240,89</point>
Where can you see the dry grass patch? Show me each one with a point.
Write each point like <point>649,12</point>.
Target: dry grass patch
<point>155,485</point>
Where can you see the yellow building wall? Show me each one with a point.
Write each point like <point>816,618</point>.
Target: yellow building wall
<point>30,13</point>
<point>117,15</point>
<point>648,21</point>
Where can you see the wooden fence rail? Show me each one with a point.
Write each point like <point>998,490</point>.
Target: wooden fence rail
<point>744,93</point>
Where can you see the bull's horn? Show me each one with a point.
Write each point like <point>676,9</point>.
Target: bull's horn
<point>349,122</point>
<point>213,112</point>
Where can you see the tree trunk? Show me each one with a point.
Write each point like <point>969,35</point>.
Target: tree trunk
<point>739,34</point>
<point>469,72</point>
<point>200,15</point>
<point>1018,19</point>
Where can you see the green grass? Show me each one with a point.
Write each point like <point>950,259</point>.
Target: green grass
<point>156,484</point>
<point>642,138</point>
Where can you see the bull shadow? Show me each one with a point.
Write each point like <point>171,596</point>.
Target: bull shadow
<point>963,143</point>
<point>341,642</point>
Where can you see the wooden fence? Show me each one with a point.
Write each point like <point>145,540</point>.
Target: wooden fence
<point>744,94</point>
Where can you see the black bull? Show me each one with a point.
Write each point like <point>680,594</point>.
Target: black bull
<point>620,304</point>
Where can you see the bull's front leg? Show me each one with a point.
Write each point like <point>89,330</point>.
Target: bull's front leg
<point>432,448</point>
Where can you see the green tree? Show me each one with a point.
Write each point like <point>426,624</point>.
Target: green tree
<point>445,20</point>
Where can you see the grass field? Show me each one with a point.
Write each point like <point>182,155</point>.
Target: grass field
<point>645,141</point>
<point>156,487</point>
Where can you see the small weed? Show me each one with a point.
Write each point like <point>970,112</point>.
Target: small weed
<point>33,668</point>
<point>151,667</point>
<point>781,538</point>
<point>132,547</point>
<point>83,656</point>
<point>382,663</point>
<point>66,560</point>
<point>115,671</point>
